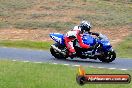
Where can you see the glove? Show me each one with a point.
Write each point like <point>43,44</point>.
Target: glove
<point>100,36</point>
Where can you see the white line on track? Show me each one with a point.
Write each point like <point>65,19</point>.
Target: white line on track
<point>91,66</point>
<point>25,61</point>
<point>4,47</point>
<point>14,60</point>
<point>54,63</point>
<point>76,65</point>
<point>111,68</point>
<point>100,67</point>
<point>123,69</point>
<point>38,62</point>
<point>66,64</point>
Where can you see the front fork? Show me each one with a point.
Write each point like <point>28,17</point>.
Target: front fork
<point>97,49</point>
<point>111,49</point>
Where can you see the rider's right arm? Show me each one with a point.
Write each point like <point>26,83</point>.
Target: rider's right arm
<point>80,41</point>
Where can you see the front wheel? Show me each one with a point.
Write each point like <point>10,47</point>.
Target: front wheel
<point>108,57</point>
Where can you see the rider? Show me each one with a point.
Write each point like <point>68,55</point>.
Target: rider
<point>76,33</point>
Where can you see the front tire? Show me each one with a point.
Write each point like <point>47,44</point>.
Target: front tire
<point>108,57</point>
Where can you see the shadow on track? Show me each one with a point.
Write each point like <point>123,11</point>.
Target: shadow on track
<point>85,61</point>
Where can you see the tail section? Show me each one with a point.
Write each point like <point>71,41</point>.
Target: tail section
<point>59,38</point>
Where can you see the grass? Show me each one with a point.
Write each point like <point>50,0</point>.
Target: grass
<point>26,44</point>
<point>107,14</point>
<point>31,75</point>
<point>4,24</point>
<point>124,49</point>
<point>121,1</point>
<point>56,14</point>
<point>15,4</point>
<point>41,24</point>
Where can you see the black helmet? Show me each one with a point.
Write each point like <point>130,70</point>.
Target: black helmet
<point>85,26</point>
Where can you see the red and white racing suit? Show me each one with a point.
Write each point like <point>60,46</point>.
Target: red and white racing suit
<point>76,32</point>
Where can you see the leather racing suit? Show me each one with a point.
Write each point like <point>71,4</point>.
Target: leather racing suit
<point>70,36</point>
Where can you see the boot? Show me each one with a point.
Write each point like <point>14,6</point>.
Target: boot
<point>72,55</point>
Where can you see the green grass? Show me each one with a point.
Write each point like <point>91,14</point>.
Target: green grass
<point>42,25</point>
<point>31,14</point>
<point>124,49</point>
<point>107,14</point>
<point>15,4</point>
<point>4,24</point>
<point>26,44</point>
<point>31,75</point>
<point>121,1</point>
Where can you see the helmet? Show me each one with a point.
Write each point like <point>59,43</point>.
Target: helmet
<point>85,26</point>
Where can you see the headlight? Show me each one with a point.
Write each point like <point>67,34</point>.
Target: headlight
<point>107,43</point>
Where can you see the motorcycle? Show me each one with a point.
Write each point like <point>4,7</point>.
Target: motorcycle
<point>101,50</point>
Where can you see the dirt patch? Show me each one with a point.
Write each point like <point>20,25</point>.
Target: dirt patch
<point>115,35</point>
<point>28,34</point>
<point>58,10</point>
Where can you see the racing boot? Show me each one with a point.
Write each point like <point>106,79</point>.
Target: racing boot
<point>72,55</point>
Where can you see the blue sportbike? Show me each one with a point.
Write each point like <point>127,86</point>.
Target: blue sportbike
<point>101,50</point>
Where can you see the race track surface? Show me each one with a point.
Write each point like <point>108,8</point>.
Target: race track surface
<point>45,56</point>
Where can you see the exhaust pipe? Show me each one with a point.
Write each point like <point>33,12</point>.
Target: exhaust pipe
<point>57,49</point>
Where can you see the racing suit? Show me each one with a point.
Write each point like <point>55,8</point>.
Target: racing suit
<point>70,36</point>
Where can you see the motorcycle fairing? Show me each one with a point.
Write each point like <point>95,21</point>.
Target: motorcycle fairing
<point>57,37</point>
<point>105,44</point>
<point>89,40</point>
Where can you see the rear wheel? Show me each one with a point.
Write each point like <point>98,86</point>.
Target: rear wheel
<point>108,57</point>
<point>56,54</point>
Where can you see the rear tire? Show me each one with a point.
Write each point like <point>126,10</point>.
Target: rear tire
<point>56,54</point>
<point>108,57</point>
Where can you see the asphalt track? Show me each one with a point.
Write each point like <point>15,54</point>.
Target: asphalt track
<point>43,56</point>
